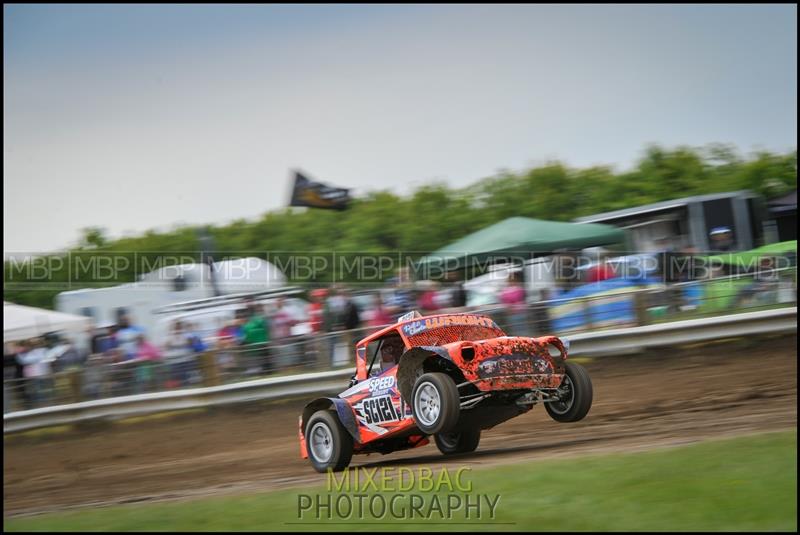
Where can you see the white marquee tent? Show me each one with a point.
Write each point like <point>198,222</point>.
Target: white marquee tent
<point>22,322</point>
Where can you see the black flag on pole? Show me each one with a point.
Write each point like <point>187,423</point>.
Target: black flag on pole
<point>318,195</point>
<point>207,257</point>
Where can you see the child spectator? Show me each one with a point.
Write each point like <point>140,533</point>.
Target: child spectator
<point>147,356</point>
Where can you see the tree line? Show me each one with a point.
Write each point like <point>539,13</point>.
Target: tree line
<point>431,216</point>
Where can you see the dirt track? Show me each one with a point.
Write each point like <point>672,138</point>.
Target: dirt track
<point>640,402</point>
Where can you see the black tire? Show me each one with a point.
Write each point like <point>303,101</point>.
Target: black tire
<point>444,404</point>
<point>578,398</point>
<point>340,442</point>
<point>463,441</point>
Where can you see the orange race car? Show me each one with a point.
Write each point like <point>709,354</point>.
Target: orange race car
<point>448,376</point>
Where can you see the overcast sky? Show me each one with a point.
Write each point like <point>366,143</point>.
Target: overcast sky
<point>139,117</point>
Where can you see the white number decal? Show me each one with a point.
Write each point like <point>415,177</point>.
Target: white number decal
<point>381,383</point>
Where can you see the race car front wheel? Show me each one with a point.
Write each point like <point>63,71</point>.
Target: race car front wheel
<point>328,443</point>
<point>463,441</point>
<point>574,395</point>
<point>436,405</point>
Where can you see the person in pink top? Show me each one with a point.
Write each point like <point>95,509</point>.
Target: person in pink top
<point>513,297</point>
<point>147,354</point>
<point>282,321</point>
<point>281,325</point>
<point>146,350</point>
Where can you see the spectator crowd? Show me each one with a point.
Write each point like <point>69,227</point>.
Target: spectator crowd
<point>262,337</point>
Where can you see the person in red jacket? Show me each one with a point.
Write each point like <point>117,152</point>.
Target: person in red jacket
<point>316,309</point>
<point>600,272</point>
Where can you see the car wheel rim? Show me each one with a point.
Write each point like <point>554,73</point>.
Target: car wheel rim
<point>427,404</point>
<point>566,396</point>
<point>321,442</point>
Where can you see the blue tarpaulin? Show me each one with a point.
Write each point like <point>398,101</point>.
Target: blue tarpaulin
<point>607,302</point>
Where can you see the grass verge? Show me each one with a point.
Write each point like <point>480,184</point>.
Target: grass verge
<point>745,483</point>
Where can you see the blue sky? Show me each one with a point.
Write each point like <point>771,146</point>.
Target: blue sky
<point>138,117</point>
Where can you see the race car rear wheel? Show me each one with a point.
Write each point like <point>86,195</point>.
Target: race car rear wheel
<point>435,403</point>
<point>463,441</point>
<point>328,443</point>
<point>575,395</point>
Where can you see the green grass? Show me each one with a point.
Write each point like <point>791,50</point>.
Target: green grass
<point>746,483</point>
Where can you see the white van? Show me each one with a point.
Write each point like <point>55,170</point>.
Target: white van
<point>166,286</point>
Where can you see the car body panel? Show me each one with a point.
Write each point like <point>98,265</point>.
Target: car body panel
<point>379,418</point>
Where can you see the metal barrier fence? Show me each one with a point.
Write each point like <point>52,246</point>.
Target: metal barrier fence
<point>99,379</point>
<point>607,342</point>
<point>652,304</point>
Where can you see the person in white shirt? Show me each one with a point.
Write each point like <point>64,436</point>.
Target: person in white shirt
<point>179,355</point>
<point>127,337</point>
<point>36,370</point>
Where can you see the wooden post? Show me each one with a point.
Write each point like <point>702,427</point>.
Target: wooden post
<point>587,313</point>
<point>208,365</point>
<point>75,377</point>
<point>640,303</point>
